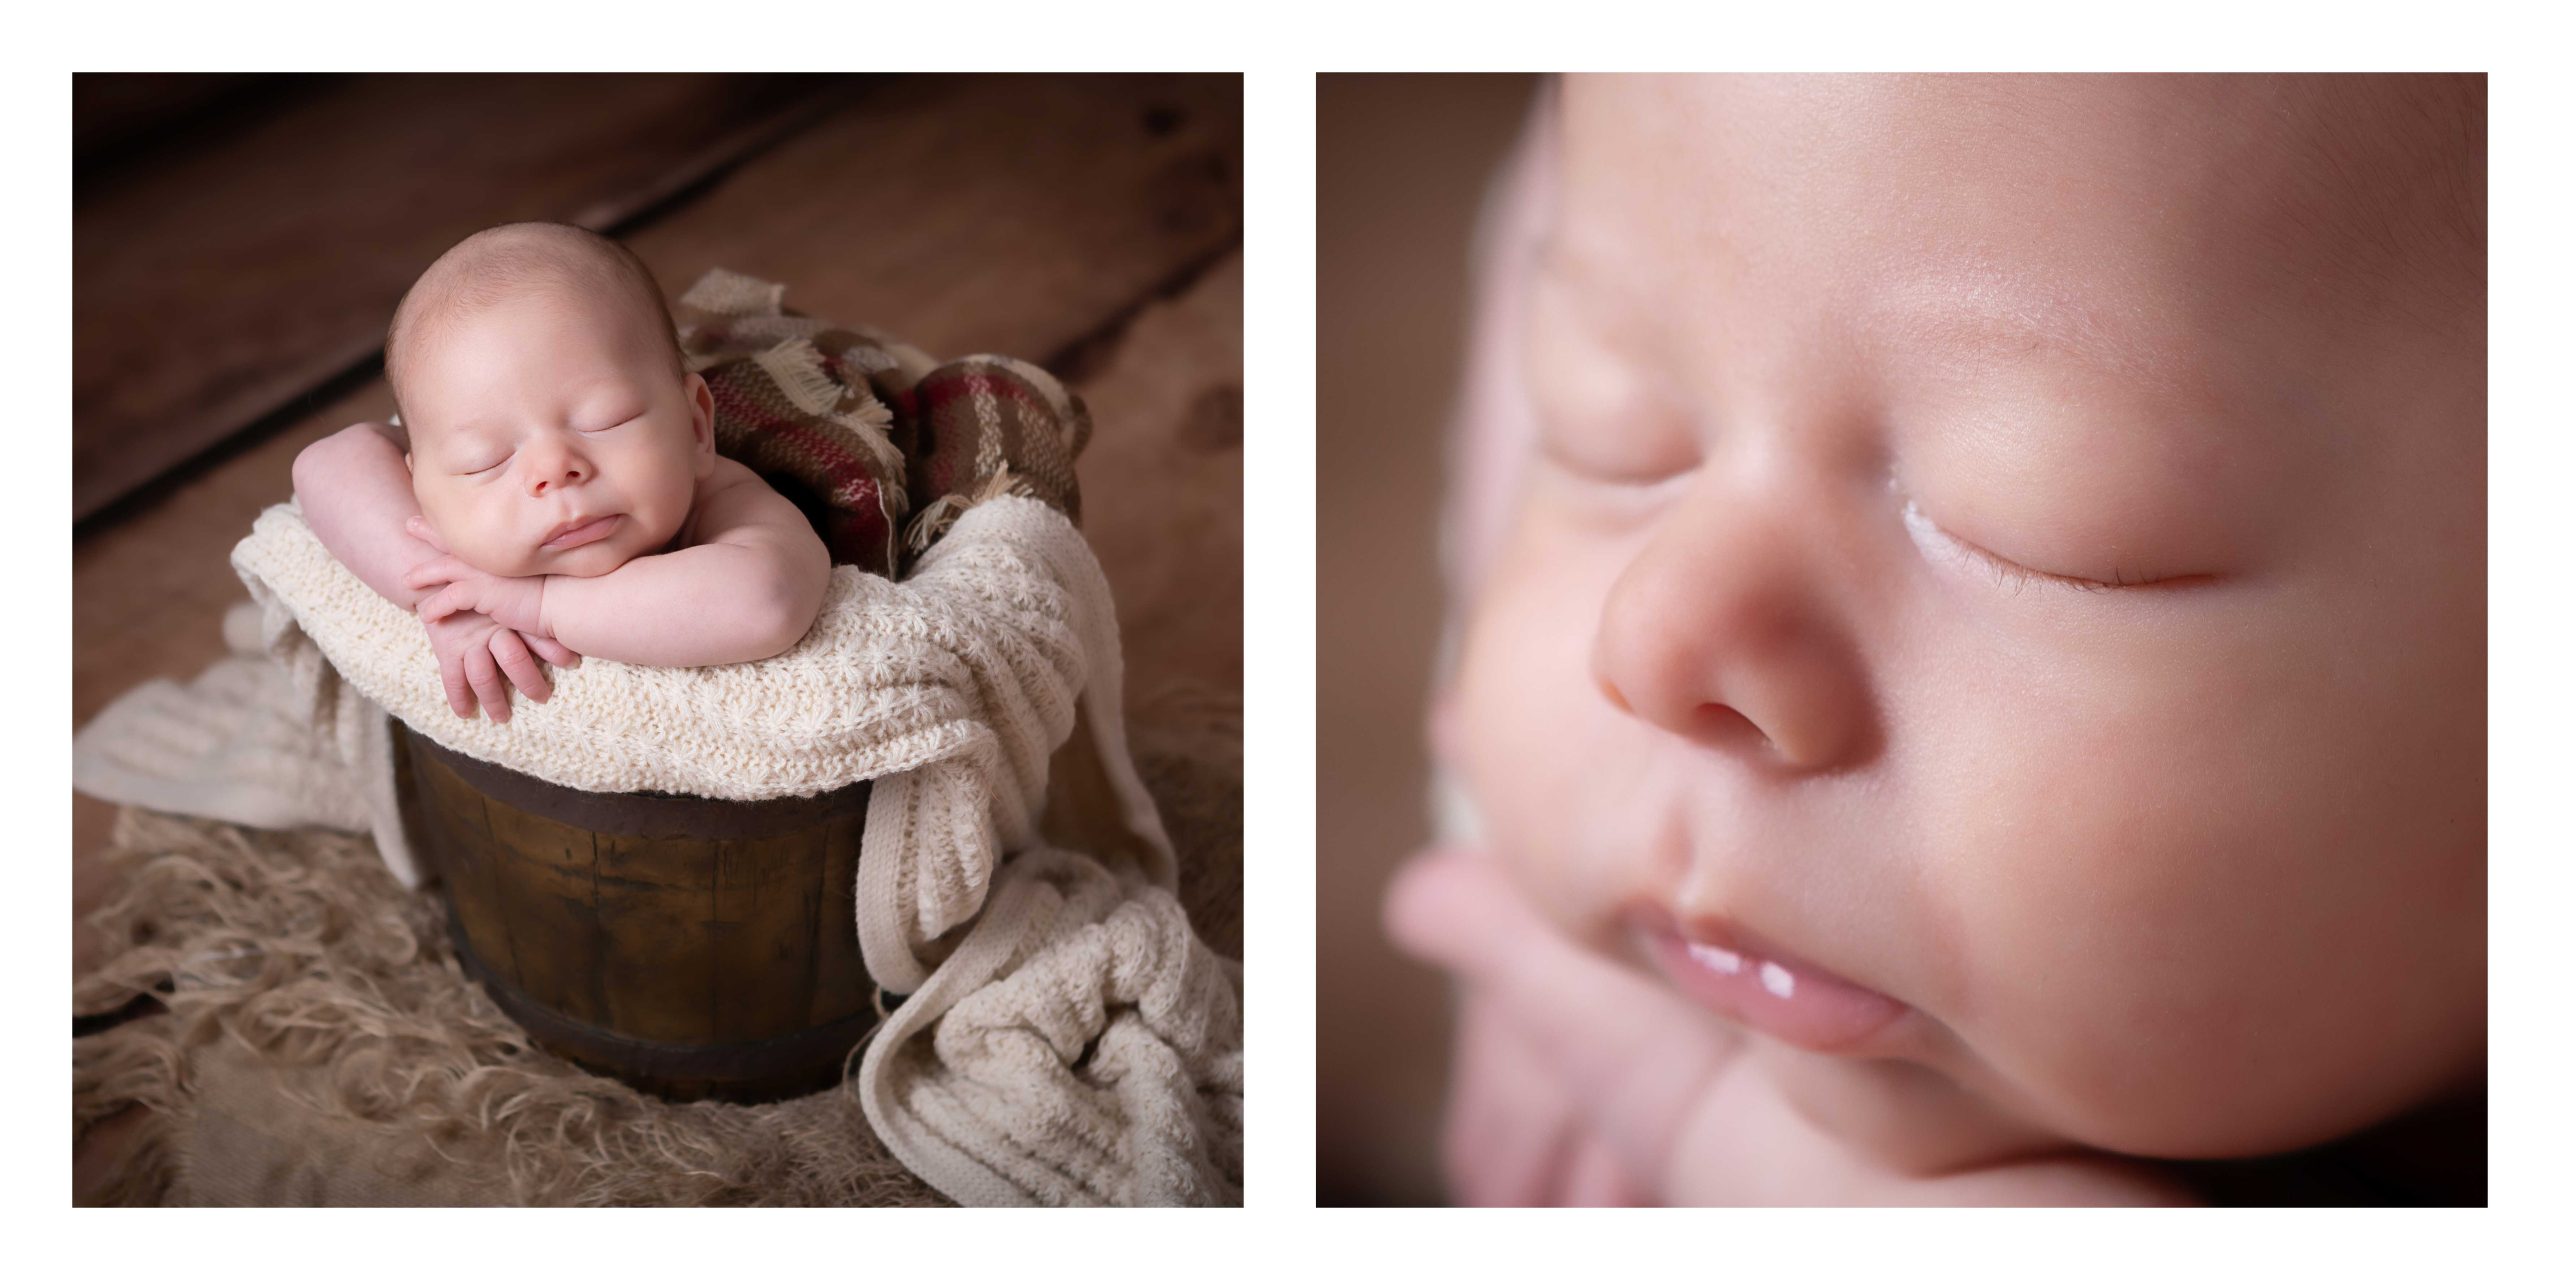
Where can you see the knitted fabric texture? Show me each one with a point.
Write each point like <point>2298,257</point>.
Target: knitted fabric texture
<point>1082,1047</point>
<point>226,745</point>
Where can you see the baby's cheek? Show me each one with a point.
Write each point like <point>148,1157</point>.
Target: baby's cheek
<point>2165,924</point>
<point>1531,740</point>
<point>478,541</point>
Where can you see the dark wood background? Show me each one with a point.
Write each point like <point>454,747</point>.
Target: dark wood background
<point>239,242</point>
<point>1401,165</point>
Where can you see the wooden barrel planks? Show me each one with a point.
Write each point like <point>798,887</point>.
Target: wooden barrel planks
<point>693,947</point>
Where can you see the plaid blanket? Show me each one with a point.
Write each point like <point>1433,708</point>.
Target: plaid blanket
<point>880,445</point>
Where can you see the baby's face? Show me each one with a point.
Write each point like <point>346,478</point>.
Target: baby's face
<point>1985,543</point>
<point>549,434</point>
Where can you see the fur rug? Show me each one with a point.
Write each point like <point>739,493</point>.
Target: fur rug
<point>320,1044</point>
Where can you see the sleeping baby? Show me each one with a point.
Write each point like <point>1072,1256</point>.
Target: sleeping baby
<point>557,492</point>
<point>1973,667</point>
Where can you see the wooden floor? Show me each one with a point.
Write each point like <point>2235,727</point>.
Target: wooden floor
<point>241,242</point>
<point>1094,224</point>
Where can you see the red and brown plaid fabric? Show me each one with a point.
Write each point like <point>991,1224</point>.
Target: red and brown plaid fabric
<point>986,425</point>
<point>861,429</point>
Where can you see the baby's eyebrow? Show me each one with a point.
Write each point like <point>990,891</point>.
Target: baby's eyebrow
<point>451,436</point>
<point>1941,317</point>
<point>1992,319</point>
<point>1992,329</point>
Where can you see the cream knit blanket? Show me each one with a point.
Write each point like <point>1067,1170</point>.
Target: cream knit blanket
<point>949,690</point>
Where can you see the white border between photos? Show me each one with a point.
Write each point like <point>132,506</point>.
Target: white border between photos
<point>1280,49</point>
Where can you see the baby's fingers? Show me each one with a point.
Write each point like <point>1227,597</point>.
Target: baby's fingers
<point>1594,1176</point>
<point>457,689</point>
<point>1458,909</point>
<point>446,603</point>
<point>433,573</point>
<point>1638,1055</point>
<point>418,529</point>
<point>482,670</point>
<point>551,651</point>
<point>517,661</point>
<point>1510,1122</point>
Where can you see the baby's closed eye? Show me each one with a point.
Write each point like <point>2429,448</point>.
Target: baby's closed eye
<point>1940,545</point>
<point>610,421</point>
<point>1599,415</point>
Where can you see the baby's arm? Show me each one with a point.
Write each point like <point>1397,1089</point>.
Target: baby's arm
<point>748,589</point>
<point>354,491</point>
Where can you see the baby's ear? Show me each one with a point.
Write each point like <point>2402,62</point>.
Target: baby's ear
<point>705,414</point>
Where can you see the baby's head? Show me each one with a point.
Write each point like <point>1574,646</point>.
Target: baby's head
<point>2016,544</point>
<point>552,427</point>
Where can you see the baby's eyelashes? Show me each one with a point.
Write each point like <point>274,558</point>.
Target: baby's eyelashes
<point>480,467</point>
<point>1938,544</point>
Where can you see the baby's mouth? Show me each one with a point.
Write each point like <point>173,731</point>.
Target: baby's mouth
<point>578,533</point>
<point>1719,965</point>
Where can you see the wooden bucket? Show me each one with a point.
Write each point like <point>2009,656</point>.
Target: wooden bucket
<point>695,948</point>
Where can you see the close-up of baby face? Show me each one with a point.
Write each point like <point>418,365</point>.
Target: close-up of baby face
<point>1998,609</point>
<point>550,433</point>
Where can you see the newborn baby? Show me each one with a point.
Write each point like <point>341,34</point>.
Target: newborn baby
<point>557,492</point>
<point>1973,678</point>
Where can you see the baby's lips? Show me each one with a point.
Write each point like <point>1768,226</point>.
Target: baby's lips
<point>1777,995</point>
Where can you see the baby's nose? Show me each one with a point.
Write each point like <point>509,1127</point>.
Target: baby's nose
<point>558,471</point>
<point>1714,633</point>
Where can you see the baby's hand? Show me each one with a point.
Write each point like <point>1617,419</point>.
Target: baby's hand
<point>515,603</point>
<point>1515,1132</point>
<point>1574,1078</point>
<point>477,658</point>
<point>1581,1080</point>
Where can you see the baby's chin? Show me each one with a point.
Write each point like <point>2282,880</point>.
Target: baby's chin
<point>593,560</point>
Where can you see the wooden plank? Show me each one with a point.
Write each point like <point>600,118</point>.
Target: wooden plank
<point>1163,483</point>
<point>215,284</point>
<point>116,119</point>
<point>148,591</point>
<point>1007,214</point>
<point>764,916</point>
<point>838,984</point>
<point>469,861</point>
<point>660,992</point>
<point>549,887</point>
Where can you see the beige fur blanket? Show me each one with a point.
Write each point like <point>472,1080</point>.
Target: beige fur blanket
<point>1078,1045</point>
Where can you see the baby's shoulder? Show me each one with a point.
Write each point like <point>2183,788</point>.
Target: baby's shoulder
<point>726,474</point>
<point>734,500</point>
